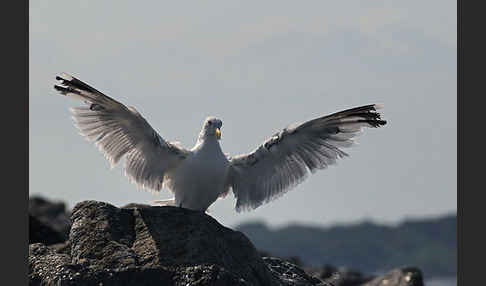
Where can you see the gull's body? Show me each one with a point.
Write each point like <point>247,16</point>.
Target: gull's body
<point>201,175</point>
<point>199,185</point>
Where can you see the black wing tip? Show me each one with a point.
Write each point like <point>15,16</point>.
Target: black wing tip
<point>369,114</point>
<point>62,89</point>
<point>65,90</point>
<point>74,83</point>
<point>377,121</point>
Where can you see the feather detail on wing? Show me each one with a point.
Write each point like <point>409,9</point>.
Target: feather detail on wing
<point>285,159</point>
<point>120,131</point>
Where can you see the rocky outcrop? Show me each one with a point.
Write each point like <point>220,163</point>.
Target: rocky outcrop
<point>142,245</point>
<point>145,245</point>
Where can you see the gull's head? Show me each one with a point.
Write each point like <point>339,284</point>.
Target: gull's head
<point>212,128</point>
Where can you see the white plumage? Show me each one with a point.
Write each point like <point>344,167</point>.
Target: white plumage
<point>200,176</point>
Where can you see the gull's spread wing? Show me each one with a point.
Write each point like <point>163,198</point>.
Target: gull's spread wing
<point>285,159</point>
<point>118,130</point>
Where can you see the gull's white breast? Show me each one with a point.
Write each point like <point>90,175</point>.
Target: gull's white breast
<point>200,178</point>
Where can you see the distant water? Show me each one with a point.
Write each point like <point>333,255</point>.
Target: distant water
<point>452,281</point>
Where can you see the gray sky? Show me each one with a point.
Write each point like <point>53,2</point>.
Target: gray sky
<point>259,66</point>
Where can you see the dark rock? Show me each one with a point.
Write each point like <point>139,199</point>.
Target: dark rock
<point>406,276</point>
<point>52,214</point>
<point>340,277</point>
<point>49,268</point>
<point>40,232</point>
<point>328,273</point>
<point>62,248</point>
<point>292,259</point>
<point>289,274</point>
<point>155,246</point>
<point>45,265</point>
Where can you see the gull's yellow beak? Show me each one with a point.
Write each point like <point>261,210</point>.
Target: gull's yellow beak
<point>218,133</point>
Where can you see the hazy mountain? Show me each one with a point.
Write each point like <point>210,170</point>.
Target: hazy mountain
<point>429,244</point>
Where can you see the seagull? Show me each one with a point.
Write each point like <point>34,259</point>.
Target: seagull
<point>203,174</point>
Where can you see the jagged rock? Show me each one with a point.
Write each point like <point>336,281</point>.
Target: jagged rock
<point>291,275</point>
<point>406,276</point>
<point>51,214</point>
<point>47,267</point>
<point>339,277</point>
<point>154,246</point>
<point>292,259</point>
<point>62,248</point>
